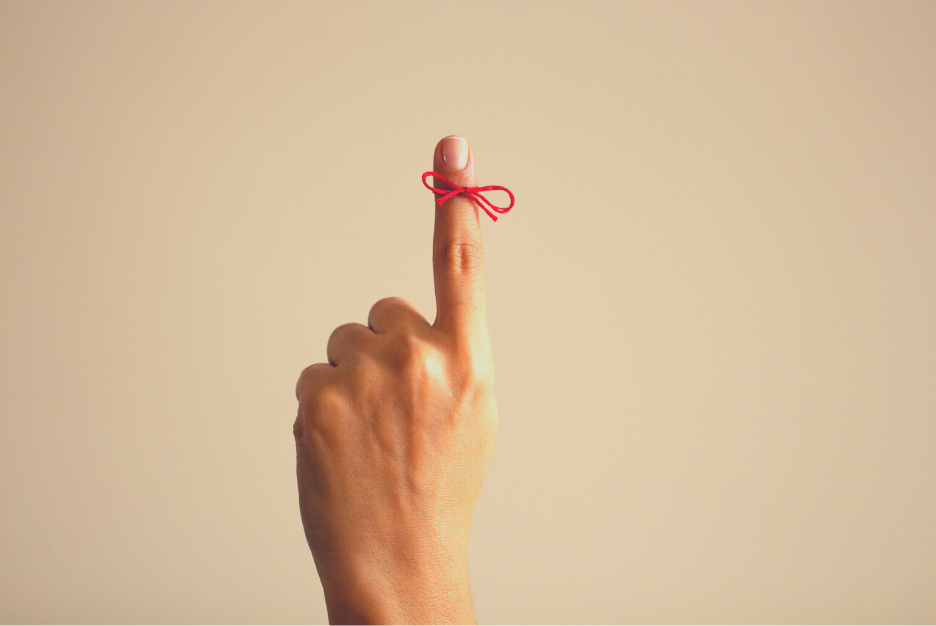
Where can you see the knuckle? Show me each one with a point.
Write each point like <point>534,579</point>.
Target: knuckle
<point>387,309</point>
<point>323,409</point>
<point>365,368</point>
<point>346,338</point>
<point>385,304</point>
<point>413,354</point>
<point>409,349</point>
<point>326,401</point>
<point>342,330</point>
<point>307,378</point>
<point>461,257</point>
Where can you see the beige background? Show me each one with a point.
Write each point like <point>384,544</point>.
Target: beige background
<point>713,309</point>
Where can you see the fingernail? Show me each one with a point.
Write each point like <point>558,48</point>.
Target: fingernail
<point>455,153</point>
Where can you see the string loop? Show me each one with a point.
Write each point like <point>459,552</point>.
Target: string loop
<point>474,193</point>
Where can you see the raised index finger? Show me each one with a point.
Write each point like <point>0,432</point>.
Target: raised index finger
<point>457,249</point>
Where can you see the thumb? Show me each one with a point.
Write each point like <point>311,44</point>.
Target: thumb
<point>457,250</point>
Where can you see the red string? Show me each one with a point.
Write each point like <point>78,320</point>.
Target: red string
<point>474,193</point>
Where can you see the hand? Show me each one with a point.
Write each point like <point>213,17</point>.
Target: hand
<point>395,434</point>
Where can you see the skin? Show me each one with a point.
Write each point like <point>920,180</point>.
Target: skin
<point>394,436</point>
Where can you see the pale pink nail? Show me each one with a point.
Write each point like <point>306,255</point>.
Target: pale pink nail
<point>455,153</point>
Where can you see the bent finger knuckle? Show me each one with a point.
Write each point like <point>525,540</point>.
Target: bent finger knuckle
<point>308,378</point>
<point>388,310</point>
<point>343,331</point>
<point>324,409</point>
<point>389,304</point>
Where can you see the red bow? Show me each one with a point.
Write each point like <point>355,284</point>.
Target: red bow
<point>474,193</point>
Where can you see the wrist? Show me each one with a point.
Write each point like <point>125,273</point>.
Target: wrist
<point>436,592</point>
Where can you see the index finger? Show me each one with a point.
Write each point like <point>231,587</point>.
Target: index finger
<point>457,249</point>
